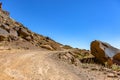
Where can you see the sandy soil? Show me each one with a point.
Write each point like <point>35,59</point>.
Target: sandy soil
<point>43,65</point>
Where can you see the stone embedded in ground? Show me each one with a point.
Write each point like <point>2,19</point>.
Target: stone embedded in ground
<point>3,32</point>
<point>4,26</point>
<point>112,75</point>
<point>3,38</point>
<point>47,47</point>
<point>13,32</point>
<point>23,32</point>
<point>104,52</point>
<point>28,38</point>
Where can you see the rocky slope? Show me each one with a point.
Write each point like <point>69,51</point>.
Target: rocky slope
<point>25,55</point>
<point>46,65</point>
<point>13,31</point>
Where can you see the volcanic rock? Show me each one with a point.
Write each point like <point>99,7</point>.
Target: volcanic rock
<point>104,52</point>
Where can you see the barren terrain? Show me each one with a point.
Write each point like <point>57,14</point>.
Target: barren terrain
<point>45,65</point>
<point>25,55</point>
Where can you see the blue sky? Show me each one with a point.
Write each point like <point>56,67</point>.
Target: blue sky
<point>72,22</point>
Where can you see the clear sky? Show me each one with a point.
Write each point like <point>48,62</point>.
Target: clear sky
<point>72,22</point>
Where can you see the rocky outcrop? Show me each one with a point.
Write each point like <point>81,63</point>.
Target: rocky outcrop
<point>74,56</point>
<point>105,53</point>
<point>11,31</point>
<point>70,57</point>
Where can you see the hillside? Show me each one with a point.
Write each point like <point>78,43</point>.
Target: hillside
<point>13,31</point>
<point>25,55</point>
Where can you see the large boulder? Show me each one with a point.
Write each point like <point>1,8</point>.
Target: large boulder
<point>105,53</point>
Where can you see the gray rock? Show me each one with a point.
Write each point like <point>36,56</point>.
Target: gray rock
<point>3,38</point>
<point>13,32</point>
<point>3,32</point>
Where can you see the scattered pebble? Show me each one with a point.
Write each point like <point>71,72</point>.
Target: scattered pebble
<point>94,69</point>
<point>118,73</point>
<point>85,67</point>
<point>111,75</point>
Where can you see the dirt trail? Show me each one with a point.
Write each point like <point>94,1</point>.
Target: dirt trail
<point>41,65</point>
<point>32,65</point>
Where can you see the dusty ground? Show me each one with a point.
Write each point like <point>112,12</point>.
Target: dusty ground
<point>43,65</point>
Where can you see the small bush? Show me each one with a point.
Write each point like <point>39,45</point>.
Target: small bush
<point>115,67</point>
<point>67,47</point>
